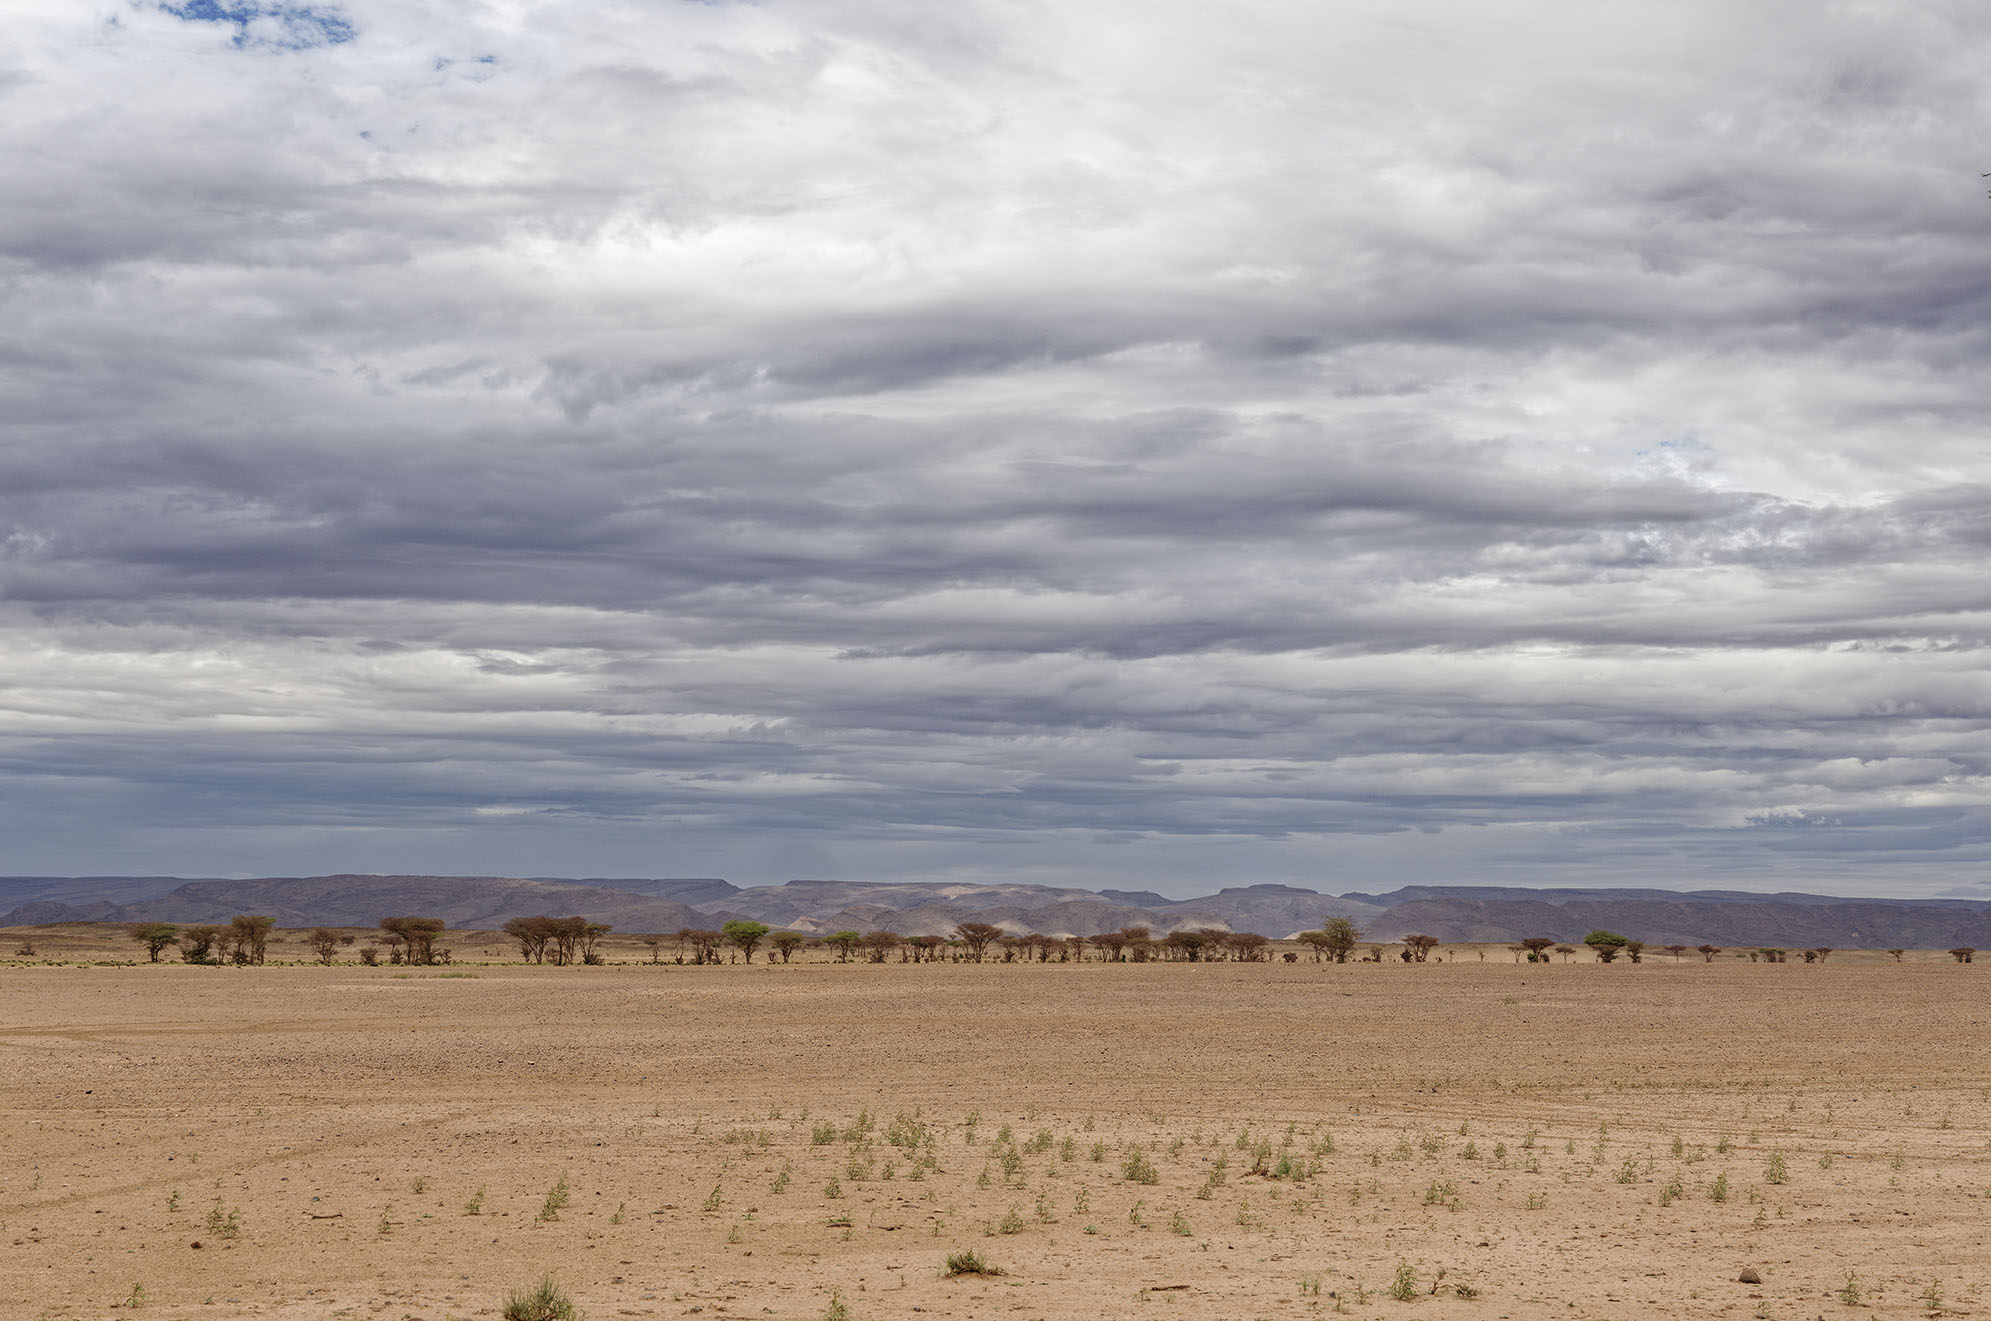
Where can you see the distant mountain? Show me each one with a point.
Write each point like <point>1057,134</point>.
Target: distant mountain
<point>1459,913</point>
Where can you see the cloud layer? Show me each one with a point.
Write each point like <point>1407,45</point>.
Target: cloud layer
<point>1161,442</point>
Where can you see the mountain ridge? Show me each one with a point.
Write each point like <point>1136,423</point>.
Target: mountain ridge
<point>1729,918</point>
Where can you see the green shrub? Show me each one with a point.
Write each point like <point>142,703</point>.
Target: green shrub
<point>545,1301</point>
<point>970,1262</point>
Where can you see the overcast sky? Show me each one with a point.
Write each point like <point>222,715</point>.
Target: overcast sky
<point>1129,443</point>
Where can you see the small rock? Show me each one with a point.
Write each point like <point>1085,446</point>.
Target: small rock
<point>1748,1276</point>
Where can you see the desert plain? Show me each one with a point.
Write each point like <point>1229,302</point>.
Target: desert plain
<point>1463,1139</point>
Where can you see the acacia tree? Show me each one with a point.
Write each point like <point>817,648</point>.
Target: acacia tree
<point>155,936</point>
<point>1420,945</point>
<point>1315,941</point>
<point>976,936</point>
<point>1897,953</point>
<point>197,943</point>
<point>705,945</point>
<point>845,942</point>
<point>1676,951</point>
<point>1964,953</point>
<point>787,942</point>
<point>1707,952</point>
<point>532,934</point>
<point>588,942</point>
<point>1565,951</point>
<point>1635,950</point>
<point>745,934</point>
<point>1341,935</point>
<point>1606,943</point>
<point>1247,946</point>
<point>878,944</point>
<point>324,944</point>
<point>1110,945</point>
<point>418,934</point>
<point>1139,942</point>
<point>1538,948</point>
<point>251,932</point>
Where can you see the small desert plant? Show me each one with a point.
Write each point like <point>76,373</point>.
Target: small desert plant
<point>1776,1169</point>
<point>970,1262</point>
<point>475,1206</point>
<point>1139,1169</point>
<point>1719,1192</point>
<point>1012,1221</point>
<point>1849,1292</point>
<point>1179,1224</point>
<point>713,1198</point>
<point>1403,1287</point>
<point>556,1197</point>
<point>224,1226</point>
<point>545,1301</point>
<point>137,1296</point>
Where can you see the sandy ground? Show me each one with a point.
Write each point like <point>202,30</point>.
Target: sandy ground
<point>814,1140</point>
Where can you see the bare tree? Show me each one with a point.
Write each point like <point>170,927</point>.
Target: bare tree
<point>878,944</point>
<point>1707,952</point>
<point>1675,950</point>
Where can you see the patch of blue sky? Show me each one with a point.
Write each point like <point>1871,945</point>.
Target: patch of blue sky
<point>290,27</point>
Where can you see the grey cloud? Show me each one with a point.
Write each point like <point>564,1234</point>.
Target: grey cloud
<point>1313,444</point>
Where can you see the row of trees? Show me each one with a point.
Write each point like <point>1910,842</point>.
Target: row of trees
<point>564,940</point>
<point>245,940</point>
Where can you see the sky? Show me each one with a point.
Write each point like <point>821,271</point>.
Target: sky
<point>1134,444</point>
